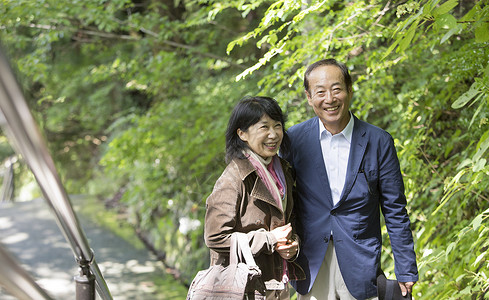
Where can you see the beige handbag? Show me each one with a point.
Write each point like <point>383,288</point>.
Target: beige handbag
<point>241,277</point>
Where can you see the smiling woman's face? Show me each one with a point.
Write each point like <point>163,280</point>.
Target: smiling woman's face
<point>264,137</point>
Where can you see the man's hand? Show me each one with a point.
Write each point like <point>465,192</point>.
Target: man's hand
<point>406,287</point>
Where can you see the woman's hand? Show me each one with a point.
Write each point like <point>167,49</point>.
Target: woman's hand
<point>285,247</point>
<point>288,250</point>
<point>282,234</point>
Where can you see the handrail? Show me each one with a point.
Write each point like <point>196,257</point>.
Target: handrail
<point>25,137</point>
<point>17,281</point>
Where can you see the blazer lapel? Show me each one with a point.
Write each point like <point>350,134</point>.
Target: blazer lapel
<point>316,155</point>
<point>357,151</point>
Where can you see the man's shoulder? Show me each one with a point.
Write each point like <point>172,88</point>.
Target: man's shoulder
<point>371,130</point>
<point>302,127</point>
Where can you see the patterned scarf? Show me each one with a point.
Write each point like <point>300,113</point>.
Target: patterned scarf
<point>271,173</point>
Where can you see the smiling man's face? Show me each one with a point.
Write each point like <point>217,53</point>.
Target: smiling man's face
<point>329,97</point>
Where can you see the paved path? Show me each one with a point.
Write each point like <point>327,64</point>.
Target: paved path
<point>29,231</point>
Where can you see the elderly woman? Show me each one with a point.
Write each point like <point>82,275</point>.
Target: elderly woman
<point>254,195</point>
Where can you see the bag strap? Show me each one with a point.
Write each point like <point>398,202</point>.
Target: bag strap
<point>240,250</point>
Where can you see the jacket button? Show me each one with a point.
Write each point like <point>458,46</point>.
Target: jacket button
<point>326,239</point>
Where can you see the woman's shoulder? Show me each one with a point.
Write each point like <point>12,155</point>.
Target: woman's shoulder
<point>239,168</point>
<point>234,176</point>
<point>285,164</point>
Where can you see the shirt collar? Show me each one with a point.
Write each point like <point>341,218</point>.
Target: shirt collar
<point>346,132</point>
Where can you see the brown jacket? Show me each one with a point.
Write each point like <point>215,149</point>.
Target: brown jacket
<point>241,202</point>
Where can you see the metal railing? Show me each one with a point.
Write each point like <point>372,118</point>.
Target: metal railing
<point>7,172</point>
<point>27,140</point>
<point>17,281</point>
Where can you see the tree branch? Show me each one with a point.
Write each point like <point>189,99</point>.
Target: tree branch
<point>192,49</point>
<point>136,38</point>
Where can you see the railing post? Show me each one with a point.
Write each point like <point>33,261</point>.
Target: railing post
<point>85,285</point>
<point>85,281</point>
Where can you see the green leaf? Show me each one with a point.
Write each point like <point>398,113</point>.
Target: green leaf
<point>482,146</point>
<point>445,7</point>
<point>449,34</point>
<point>476,223</point>
<point>460,278</point>
<point>466,291</point>
<point>479,258</point>
<point>450,247</point>
<point>406,41</point>
<point>261,41</point>
<point>479,165</point>
<point>481,107</point>
<point>466,97</point>
<point>272,39</point>
<point>446,21</point>
<point>482,32</point>
<point>466,162</point>
<point>230,47</point>
<point>390,49</point>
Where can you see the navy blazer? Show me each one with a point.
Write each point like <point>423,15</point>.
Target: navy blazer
<point>373,180</point>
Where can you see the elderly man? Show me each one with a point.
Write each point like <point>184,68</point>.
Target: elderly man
<point>345,170</point>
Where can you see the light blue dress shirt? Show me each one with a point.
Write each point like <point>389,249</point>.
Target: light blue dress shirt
<point>336,150</point>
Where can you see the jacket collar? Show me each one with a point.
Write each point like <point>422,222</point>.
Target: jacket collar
<point>357,151</point>
<point>245,168</point>
<point>259,191</point>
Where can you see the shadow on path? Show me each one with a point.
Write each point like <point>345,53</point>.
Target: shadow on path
<point>29,231</point>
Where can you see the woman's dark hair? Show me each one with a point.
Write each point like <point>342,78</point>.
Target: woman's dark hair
<point>246,113</point>
<point>329,62</point>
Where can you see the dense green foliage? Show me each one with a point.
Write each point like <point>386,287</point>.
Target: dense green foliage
<point>134,96</point>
